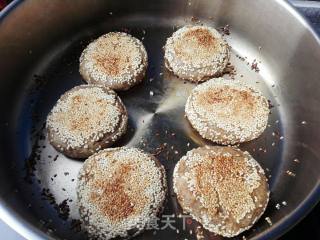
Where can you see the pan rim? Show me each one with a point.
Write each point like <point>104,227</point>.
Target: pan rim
<point>28,231</point>
<point>7,214</point>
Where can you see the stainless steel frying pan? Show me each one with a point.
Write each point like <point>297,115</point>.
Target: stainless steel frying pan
<point>40,43</point>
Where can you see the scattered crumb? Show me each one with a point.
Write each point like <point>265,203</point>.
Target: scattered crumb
<point>268,220</point>
<point>199,233</point>
<point>254,66</point>
<point>230,70</point>
<point>225,30</point>
<point>290,173</point>
<point>194,19</point>
<point>75,225</point>
<point>159,149</point>
<point>270,105</point>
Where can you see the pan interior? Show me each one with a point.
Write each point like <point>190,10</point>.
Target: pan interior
<point>156,113</point>
<point>45,180</point>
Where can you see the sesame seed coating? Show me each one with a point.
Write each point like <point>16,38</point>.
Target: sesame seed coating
<point>196,53</point>
<point>120,190</point>
<point>116,60</point>
<point>86,119</point>
<point>227,111</point>
<point>223,188</point>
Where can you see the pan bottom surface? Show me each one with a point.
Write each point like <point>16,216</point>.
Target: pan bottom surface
<point>156,124</point>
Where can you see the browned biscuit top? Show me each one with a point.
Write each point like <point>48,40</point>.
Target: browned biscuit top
<point>83,114</point>
<point>196,44</point>
<point>120,189</point>
<point>117,60</point>
<point>227,111</point>
<point>221,187</point>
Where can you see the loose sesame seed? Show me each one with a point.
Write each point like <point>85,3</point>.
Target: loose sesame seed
<point>291,174</point>
<point>268,221</point>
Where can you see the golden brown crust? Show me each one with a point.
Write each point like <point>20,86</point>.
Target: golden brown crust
<point>200,39</point>
<point>116,60</point>
<point>117,205</point>
<point>119,191</point>
<point>196,53</point>
<point>226,111</point>
<point>222,188</point>
<point>85,119</point>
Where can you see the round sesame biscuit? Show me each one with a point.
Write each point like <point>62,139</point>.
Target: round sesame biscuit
<point>116,60</point>
<point>222,188</point>
<point>121,192</point>
<point>85,119</point>
<point>227,111</point>
<point>196,53</point>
